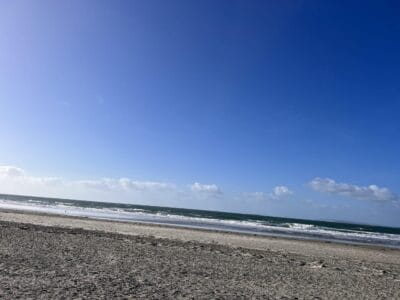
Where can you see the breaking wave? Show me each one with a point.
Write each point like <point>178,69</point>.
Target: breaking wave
<point>261,225</point>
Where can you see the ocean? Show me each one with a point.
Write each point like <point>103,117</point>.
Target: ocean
<point>213,220</point>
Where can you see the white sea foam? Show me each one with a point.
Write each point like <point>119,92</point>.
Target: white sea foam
<point>253,226</point>
<point>300,226</point>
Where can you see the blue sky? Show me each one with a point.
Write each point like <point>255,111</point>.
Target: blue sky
<point>280,108</point>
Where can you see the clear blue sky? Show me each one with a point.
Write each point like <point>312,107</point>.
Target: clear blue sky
<point>239,97</point>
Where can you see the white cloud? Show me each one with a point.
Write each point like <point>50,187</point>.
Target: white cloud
<point>371,192</point>
<point>281,191</point>
<point>278,192</point>
<point>101,184</point>
<point>258,196</point>
<point>125,184</point>
<point>14,180</point>
<point>207,188</point>
<point>128,184</point>
<point>10,171</point>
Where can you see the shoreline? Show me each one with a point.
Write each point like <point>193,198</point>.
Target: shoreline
<point>342,233</point>
<point>49,256</point>
<point>183,233</point>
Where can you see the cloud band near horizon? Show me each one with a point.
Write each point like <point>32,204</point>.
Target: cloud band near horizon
<point>371,192</point>
<point>11,176</point>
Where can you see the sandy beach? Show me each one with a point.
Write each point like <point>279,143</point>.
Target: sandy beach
<point>47,257</point>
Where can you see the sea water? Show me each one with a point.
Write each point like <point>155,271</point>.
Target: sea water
<point>213,220</point>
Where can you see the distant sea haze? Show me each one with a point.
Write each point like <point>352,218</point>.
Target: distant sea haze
<point>212,220</point>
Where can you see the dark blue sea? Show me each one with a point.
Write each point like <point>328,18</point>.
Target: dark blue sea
<point>213,220</point>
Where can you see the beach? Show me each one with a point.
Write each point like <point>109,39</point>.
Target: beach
<point>48,256</point>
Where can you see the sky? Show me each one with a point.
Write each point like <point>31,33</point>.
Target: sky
<point>281,108</point>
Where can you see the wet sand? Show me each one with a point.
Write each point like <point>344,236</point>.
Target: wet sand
<point>48,256</point>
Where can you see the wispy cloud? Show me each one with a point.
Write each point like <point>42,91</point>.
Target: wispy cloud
<point>371,192</point>
<point>17,180</point>
<point>11,171</point>
<point>14,180</point>
<point>129,184</point>
<point>278,192</point>
<point>102,184</point>
<point>205,188</point>
<point>20,176</point>
<point>281,191</point>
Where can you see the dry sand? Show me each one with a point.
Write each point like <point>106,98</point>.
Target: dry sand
<point>48,257</point>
